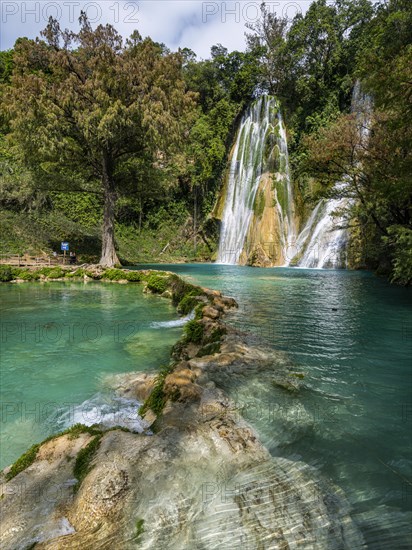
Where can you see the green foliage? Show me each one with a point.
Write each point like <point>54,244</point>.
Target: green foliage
<point>6,274</point>
<point>52,272</point>
<point>217,334</point>
<point>113,274</point>
<point>187,304</point>
<point>199,311</point>
<point>82,208</point>
<point>134,276</point>
<point>209,349</point>
<point>139,530</point>
<point>400,240</point>
<point>26,274</point>
<point>157,398</point>
<point>82,466</point>
<point>193,331</point>
<point>23,462</point>
<point>95,130</point>
<point>80,272</point>
<point>158,283</point>
<point>259,204</point>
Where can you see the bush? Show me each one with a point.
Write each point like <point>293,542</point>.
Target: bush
<point>193,332</point>
<point>27,275</point>
<point>6,274</point>
<point>157,283</point>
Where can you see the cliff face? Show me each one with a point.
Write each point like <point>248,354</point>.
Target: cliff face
<point>256,204</point>
<point>265,243</point>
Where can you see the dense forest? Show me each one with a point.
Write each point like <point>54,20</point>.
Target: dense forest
<point>121,146</point>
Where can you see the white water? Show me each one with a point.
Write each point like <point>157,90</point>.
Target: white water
<point>261,137</point>
<point>322,242</point>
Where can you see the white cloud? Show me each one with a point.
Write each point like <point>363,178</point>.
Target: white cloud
<point>178,23</point>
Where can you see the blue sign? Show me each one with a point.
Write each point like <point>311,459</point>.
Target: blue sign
<point>64,246</point>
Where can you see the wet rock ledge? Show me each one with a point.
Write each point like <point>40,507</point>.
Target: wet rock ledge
<point>198,478</point>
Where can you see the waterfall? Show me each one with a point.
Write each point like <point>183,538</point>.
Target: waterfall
<point>260,149</point>
<point>323,241</point>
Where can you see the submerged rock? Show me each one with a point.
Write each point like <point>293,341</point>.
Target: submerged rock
<point>203,480</point>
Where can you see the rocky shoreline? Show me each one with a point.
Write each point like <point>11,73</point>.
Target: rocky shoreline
<point>198,478</point>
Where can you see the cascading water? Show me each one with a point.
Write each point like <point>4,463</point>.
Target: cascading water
<point>322,242</point>
<point>260,148</point>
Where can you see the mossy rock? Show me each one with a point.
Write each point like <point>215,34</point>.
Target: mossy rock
<point>259,204</point>
<point>114,274</point>
<point>83,466</point>
<point>23,462</point>
<point>157,283</point>
<point>134,276</point>
<point>29,456</point>
<point>217,335</point>
<point>190,300</point>
<point>209,349</point>
<point>285,385</point>
<point>193,331</point>
<point>157,398</point>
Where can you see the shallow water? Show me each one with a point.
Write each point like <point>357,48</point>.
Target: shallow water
<point>61,341</point>
<point>350,335</point>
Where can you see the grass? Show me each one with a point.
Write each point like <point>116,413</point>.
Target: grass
<point>157,398</point>
<point>24,461</point>
<point>29,456</point>
<point>82,466</point>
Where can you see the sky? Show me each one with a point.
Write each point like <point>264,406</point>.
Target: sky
<point>197,24</point>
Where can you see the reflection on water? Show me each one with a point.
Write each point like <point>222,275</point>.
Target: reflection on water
<point>350,335</point>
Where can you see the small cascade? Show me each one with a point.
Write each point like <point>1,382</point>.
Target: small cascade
<point>259,173</point>
<point>323,241</point>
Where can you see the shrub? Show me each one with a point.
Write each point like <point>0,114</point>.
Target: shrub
<point>6,274</point>
<point>27,275</point>
<point>193,332</point>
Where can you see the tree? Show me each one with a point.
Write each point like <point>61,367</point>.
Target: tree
<point>267,40</point>
<point>89,112</point>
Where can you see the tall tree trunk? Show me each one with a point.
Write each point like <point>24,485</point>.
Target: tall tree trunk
<point>109,257</point>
